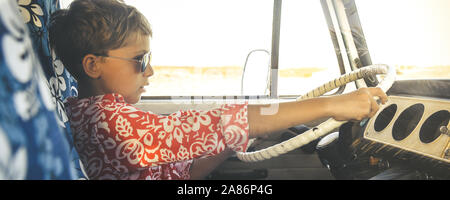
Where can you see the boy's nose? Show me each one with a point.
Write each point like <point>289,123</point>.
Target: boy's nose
<point>148,71</point>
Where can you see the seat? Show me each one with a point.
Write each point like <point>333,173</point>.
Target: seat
<point>35,137</point>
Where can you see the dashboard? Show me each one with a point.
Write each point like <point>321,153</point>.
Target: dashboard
<point>418,125</point>
<point>411,130</point>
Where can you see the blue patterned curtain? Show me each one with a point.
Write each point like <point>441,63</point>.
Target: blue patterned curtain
<point>33,85</point>
<point>36,15</point>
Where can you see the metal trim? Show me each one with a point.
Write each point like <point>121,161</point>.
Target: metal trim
<point>275,48</point>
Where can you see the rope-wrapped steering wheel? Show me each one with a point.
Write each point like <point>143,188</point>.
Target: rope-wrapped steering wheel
<point>327,126</point>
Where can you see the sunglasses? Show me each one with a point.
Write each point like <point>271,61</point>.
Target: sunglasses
<point>143,62</point>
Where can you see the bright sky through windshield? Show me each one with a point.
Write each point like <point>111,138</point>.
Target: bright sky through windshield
<point>198,31</point>
<point>412,31</point>
<point>407,32</point>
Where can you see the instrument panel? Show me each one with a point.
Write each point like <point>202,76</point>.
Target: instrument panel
<point>409,134</point>
<point>418,125</point>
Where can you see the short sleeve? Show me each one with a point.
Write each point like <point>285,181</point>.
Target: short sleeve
<point>234,122</point>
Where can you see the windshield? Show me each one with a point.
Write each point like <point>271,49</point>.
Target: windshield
<point>200,46</point>
<point>412,35</point>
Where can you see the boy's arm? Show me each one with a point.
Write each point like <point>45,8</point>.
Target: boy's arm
<point>356,105</point>
<point>287,115</point>
<point>352,106</point>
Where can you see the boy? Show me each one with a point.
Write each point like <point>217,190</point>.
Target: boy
<point>105,44</point>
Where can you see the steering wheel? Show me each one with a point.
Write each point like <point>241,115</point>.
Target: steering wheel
<point>327,126</point>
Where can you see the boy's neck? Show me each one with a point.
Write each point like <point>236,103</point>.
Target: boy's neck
<point>82,94</point>
<point>89,90</point>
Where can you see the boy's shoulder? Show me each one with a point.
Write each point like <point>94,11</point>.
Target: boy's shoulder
<point>108,102</point>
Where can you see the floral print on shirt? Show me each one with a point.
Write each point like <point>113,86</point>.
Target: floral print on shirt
<point>116,140</point>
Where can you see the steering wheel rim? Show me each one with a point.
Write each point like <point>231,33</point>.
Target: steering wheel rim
<point>327,126</point>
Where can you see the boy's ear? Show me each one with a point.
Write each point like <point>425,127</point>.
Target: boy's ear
<point>90,66</point>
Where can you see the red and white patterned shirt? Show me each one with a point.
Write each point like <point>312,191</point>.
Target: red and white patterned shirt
<point>115,140</point>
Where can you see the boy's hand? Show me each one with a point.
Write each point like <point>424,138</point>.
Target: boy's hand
<point>357,105</point>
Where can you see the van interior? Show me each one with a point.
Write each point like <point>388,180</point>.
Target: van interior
<point>261,52</point>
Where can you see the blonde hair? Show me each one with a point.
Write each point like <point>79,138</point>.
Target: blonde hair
<point>93,27</point>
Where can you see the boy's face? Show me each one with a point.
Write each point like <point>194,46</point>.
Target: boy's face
<point>124,76</point>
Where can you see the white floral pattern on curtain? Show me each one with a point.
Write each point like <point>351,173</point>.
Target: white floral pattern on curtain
<point>36,14</point>
<point>31,146</point>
